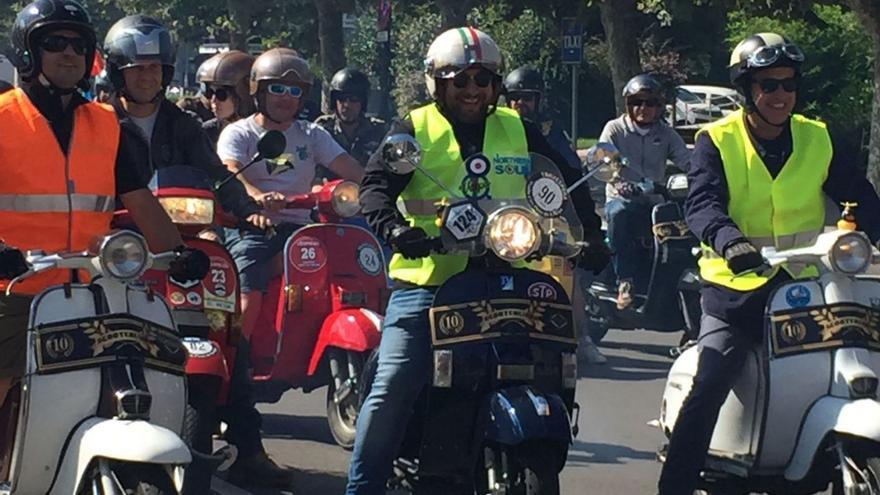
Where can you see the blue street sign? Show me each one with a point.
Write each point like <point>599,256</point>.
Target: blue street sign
<point>572,41</point>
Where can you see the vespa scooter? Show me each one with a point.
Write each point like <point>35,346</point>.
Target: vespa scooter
<point>803,412</point>
<point>323,315</point>
<point>102,401</point>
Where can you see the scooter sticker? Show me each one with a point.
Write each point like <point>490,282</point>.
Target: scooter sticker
<point>477,165</point>
<point>220,285</point>
<point>547,194</point>
<point>307,254</point>
<point>194,298</point>
<point>369,260</point>
<point>199,348</point>
<point>798,296</point>
<point>177,298</point>
<point>542,290</point>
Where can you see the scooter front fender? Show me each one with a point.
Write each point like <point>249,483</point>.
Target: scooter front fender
<point>349,329</point>
<point>120,440</point>
<point>858,418</point>
<point>515,415</point>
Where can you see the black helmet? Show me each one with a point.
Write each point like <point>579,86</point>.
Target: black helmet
<point>351,81</point>
<point>762,51</point>
<point>644,83</point>
<point>138,38</point>
<point>37,18</point>
<point>524,79</point>
<point>102,82</point>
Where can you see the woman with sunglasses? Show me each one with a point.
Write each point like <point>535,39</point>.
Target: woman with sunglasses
<point>758,178</point>
<point>224,80</point>
<point>647,142</point>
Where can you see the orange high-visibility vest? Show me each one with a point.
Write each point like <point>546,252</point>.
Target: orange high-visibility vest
<point>50,201</point>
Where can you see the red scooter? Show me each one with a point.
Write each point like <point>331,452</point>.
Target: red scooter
<point>322,316</point>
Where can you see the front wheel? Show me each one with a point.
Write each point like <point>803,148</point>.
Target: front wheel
<point>343,399</point>
<point>109,478</point>
<point>860,469</point>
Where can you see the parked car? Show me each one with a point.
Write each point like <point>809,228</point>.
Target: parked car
<point>690,109</point>
<point>727,99</point>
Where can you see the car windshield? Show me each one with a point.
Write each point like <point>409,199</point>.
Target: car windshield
<point>687,97</point>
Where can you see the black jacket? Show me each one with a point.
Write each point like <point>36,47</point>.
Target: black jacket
<point>178,139</point>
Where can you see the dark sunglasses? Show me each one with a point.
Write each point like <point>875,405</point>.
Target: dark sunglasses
<point>526,97</point>
<point>278,89</point>
<point>482,79</point>
<point>637,102</point>
<point>350,98</point>
<point>55,43</point>
<point>222,94</point>
<point>789,84</point>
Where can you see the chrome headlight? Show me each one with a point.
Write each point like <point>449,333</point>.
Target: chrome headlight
<point>512,233</point>
<point>851,253</point>
<point>123,255</point>
<point>189,211</point>
<point>345,199</point>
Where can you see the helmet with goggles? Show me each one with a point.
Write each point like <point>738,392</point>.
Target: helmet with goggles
<point>455,50</point>
<point>762,51</point>
<point>282,65</point>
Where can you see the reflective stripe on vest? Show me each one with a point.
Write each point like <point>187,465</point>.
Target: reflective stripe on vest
<point>504,144</point>
<point>787,211</point>
<point>49,200</point>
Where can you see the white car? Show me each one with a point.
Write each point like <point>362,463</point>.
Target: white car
<point>727,99</point>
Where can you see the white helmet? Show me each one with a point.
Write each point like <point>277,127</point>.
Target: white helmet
<point>457,49</point>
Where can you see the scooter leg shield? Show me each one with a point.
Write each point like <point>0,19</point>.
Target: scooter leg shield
<point>132,441</point>
<point>519,414</point>
<point>856,418</point>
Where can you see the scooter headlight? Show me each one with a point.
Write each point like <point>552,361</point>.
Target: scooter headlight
<point>123,255</point>
<point>851,253</point>
<point>345,199</point>
<point>512,233</point>
<point>189,211</point>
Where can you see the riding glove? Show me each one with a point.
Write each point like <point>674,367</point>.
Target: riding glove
<point>627,190</point>
<point>12,262</point>
<point>411,242</point>
<point>594,256</point>
<point>742,256</point>
<point>190,264</point>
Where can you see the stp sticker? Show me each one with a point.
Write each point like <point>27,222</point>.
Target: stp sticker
<point>177,298</point>
<point>542,290</point>
<point>307,254</point>
<point>369,260</point>
<point>798,296</point>
<point>199,348</point>
<point>547,194</point>
<point>477,165</point>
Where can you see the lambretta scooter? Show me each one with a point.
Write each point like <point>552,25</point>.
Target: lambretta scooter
<point>496,417</point>
<point>320,320</point>
<point>668,300</point>
<point>102,401</point>
<point>803,411</point>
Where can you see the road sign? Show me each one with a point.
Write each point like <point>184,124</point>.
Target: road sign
<point>572,41</point>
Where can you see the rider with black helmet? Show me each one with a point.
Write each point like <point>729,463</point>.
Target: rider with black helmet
<point>757,178</point>
<point>647,142</point>
<point>55,140</point>
<point>348,124</point>
<point>103,88</point>
<point>524,88</point>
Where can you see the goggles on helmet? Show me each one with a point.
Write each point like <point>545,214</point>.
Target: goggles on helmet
<point>769,55</point>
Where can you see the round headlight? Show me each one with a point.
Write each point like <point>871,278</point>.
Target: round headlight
<point>512,233</point>
<point>345,199</point>
<point>123,255</point>
<point>851,253</point>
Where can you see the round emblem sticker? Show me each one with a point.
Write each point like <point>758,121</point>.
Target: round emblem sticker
<point>477,165</point>
<point>546,193</point>
<point>221,279</point>
<point>177,298</point>
<point>307,254</point>
<point>369,259</point>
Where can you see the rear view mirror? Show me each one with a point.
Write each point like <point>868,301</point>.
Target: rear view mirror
<point>401,153</point>
<point>604,162</point>
<point>271,145</point>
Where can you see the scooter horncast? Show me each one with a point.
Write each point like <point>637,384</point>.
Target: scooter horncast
<point>803,412</point>
<point>102,401</point>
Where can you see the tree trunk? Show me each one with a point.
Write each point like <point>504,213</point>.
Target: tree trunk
<point>241,14</point>
<point>869,13</point>
<point>454,12</point>
<point>332,44</point>
<point>620,22</point>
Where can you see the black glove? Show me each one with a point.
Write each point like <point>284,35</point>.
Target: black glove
<point>411,242</point>
<point>594,256</point>
<point>12,263</point>
<point>742,256</point>
<point>190,264</point>
<point>627,190</point>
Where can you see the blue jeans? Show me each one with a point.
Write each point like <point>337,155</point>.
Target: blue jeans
<point>252,252</point>
<point>404,369</point>
<point>628,220</point>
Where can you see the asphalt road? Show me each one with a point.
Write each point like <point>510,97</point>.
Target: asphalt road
<point>614,452</point>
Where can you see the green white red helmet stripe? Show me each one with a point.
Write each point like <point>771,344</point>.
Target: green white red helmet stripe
<point>471,41</point>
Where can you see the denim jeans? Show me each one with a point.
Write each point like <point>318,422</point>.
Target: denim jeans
<point>404,369</point>
<point>628,220</point>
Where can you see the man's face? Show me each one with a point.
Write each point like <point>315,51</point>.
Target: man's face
<point>281,103</point>
<point>144,81</point>
<point>770,92</point>
<point>348,107</point>
<point>643,108</point>
<point>524,103</point>
<point>468,95</point>
<point>61,64</point>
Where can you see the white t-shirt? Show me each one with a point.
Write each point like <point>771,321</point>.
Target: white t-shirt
<point>146,124</point>
<point>308,145</point>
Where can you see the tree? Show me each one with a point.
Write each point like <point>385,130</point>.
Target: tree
<point>331,42</point>
<point>869,13</point>
<point>621,24</point>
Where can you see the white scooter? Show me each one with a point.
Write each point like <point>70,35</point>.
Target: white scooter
<point>804,411</point>
<point>102,401</point>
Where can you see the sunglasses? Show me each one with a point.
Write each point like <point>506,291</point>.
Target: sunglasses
<point>280,89</point>
<point>788,84</point>
<point>525,97</point>
<point>637,102</point>
<point>768,55</point>
<point>349,98</point>
<point>482,79</point>
<point>55,43</point>
<point>222,94</point>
